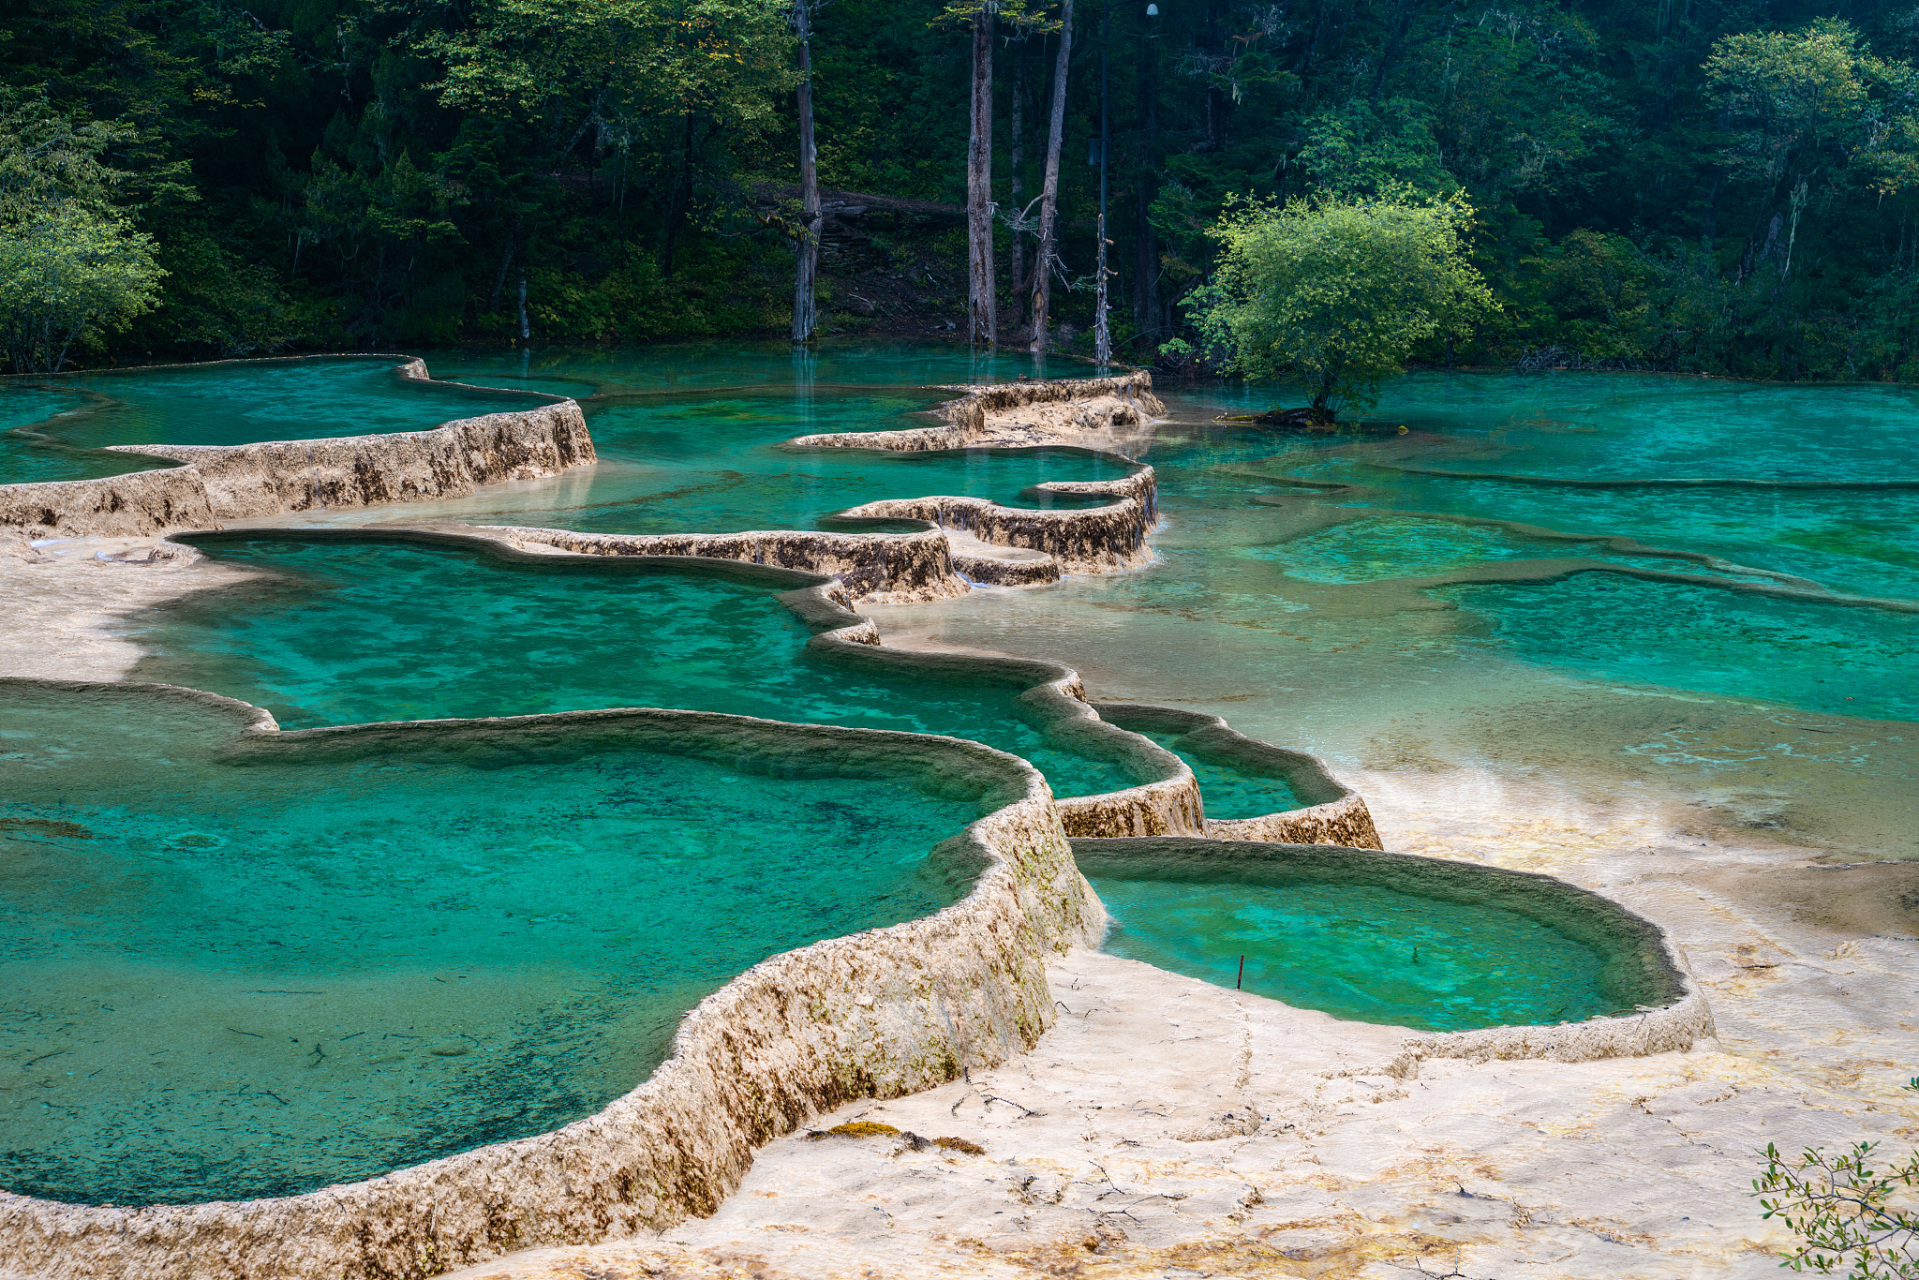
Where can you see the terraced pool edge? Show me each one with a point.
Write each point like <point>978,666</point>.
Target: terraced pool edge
<point>585,1181</point>
<point>1335,814</point>
<point>1581,914</point>
<point>881,1013</point>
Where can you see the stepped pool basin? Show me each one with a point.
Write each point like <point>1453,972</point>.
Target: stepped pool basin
<point>242,402</point>
<point>1279,596</point>
<point>1230,792</point>
<point>716,464</point>
<point>257,967</point>
<point>370,628</point>
<point>258,963</point>
<point>1385,938</point>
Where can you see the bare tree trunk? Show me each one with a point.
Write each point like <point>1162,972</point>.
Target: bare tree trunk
<point>499,281</point>
<point>805,307</point>
<point>526,331</point>
<point>1015,188</point>
<point>1214,36</point>
<point>1102,328</point>
<point>982,314</point>
<point>1145,241</point>
<point>1049,194</point>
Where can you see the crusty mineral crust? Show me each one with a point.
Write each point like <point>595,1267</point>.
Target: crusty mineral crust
<point>882,568</point>
<point>1015,413</point>
<point>1088,540</point>
<point>220,483</point>
<point>877,1014</point>
<point>1335,814</point>
<point>235,482</point>
<point>881,1013</point>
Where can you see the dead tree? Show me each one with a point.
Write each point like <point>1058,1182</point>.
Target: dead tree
<point>1049,194</point>
<point>805,306</point>
<point>982,313</point>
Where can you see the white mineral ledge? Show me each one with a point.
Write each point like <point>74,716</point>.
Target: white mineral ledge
<point>1166,1127</point>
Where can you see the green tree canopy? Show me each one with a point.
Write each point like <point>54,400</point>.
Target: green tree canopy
<point>1335,293</point>
<point>71,263</point>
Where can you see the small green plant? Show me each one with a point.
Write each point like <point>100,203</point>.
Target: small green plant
<point>1843,1211</point>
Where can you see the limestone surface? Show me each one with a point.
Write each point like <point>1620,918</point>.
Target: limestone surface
<point>1166,1127</point>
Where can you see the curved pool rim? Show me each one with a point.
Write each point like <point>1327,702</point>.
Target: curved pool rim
<point>1621,936</point>
<point>880,1013</point>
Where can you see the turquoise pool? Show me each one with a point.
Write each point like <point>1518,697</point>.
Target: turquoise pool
<point>1373,937</point>
<point>346,632</point>
<point>227,974</point>
<point>1278,600</point>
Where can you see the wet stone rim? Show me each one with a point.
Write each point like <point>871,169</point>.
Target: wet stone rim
<point>1638,954</point>
<point>881,1013</point>
<point>864,1015</point>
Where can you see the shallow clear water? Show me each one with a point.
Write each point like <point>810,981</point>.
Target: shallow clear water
<point>715,464</point>
<point>1227,791</point>
<point>1279,605</point>
<point>344,633</point>
<point>578,371</point>
<point>1388,547</point>
<point>1820,482</point>
<point>1358,951</point>
<point>1855,662</point>
<point>242,403</point>
<point>31,418</point>
<point>227,976</point>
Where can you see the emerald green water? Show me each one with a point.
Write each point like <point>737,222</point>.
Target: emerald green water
<point>716,463</point>
<point>229,957</point>
<point>343,633</point>
<point>1364,952</point>
<point>579,371</point>
<point>1227,791</point>
<point>1278,598</point>
<point>226,976</point>
<point>237,403</point>
<point>680,451</point>
<point>31,417</point>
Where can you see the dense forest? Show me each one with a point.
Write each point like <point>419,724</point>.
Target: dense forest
<point>1724,186</point>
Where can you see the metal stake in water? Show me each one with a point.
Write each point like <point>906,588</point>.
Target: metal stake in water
<point>1241,980</point>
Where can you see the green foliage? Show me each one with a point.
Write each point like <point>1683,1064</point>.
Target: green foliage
<point>72,267</point>
<point>1711,186</point>
<point>68,275</point>
<point>1850,1219</point>
<point>1337,293</point>
<point>1366,148</point>
<point>1814,105</point>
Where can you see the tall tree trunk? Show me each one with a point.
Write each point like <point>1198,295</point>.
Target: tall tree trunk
<point>1102,325</point>
<point>1016,189</point>
<point>499,281</point>
<point>1049,194</point>
<point>526,331</point>
<point>982,315</point>
<point>805,308</point>
<point>1145,241</point>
